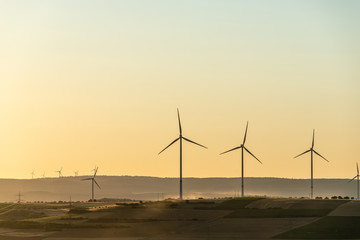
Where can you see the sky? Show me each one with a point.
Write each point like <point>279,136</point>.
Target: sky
<point>85,83</point>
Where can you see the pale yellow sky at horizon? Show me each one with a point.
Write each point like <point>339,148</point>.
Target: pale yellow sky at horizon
<point>93,83</point>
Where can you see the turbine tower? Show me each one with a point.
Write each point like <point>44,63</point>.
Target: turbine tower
<point>92,184</point>
<point>181,138</point>
<point>32,174</point>
<point>312,151</point>
<point>242,146</point>
<point>357,176</point>
<point>60,173</point>
<point>19,197</point>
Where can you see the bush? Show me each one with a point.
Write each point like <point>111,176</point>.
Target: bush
<point>334,197</point>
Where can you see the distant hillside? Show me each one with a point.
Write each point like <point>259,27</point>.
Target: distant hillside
<point>152,188</point>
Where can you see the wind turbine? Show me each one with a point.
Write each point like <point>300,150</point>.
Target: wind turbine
<point>76,173</point>
<point>357,176</point>
<point>242,146</point>
<point>312,151</point>
<point>60,174</point>
<point>181,138</point>
<point>92,184</point>
<point>43,175</point>
<point>32,174</point>
<point>19,197</point>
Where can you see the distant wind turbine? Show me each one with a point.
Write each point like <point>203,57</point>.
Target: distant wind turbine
<point>32,174</point>
<point>43,175</point>
<point>76,173</point>
<point>92,184</point>
<point>60,172</point>
<point>312,150</point>
<point>357,176</point>
<point>242,146</point>
<point>181,138</point>
<point>19,197</point>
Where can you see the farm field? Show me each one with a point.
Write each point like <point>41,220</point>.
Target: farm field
<point>239,218</point>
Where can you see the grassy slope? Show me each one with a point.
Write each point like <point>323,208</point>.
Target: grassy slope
<point>330,227</point>
<point>277,213</point>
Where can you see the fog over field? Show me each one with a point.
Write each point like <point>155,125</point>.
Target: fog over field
<point>153,188</point>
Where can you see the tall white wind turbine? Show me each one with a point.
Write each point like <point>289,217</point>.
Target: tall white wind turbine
<point>357,176</point>
<point>312,151</point>
<point>92,184</point>
<point>181,138</point>
<point>242,146</point>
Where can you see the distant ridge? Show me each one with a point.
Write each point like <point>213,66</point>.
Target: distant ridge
<point>153,188</point>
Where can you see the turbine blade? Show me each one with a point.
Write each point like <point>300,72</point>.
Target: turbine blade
<point>302,153</point>
<point>320,155</point>
<point>84,179</point>
<point>194,142</point>
<point>352,179</point>
<point>96,169</point>
<point>179,121</point>
<point>312,145</point>
<point>169,145</point>
<point>252,155</point>
<point>96,183</point>
<point>230,150</point>
<point>357,168</point>
<point>245,132</point>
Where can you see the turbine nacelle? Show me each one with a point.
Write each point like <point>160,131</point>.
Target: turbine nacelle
<point>243,146</point>
<point>181,137</point>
